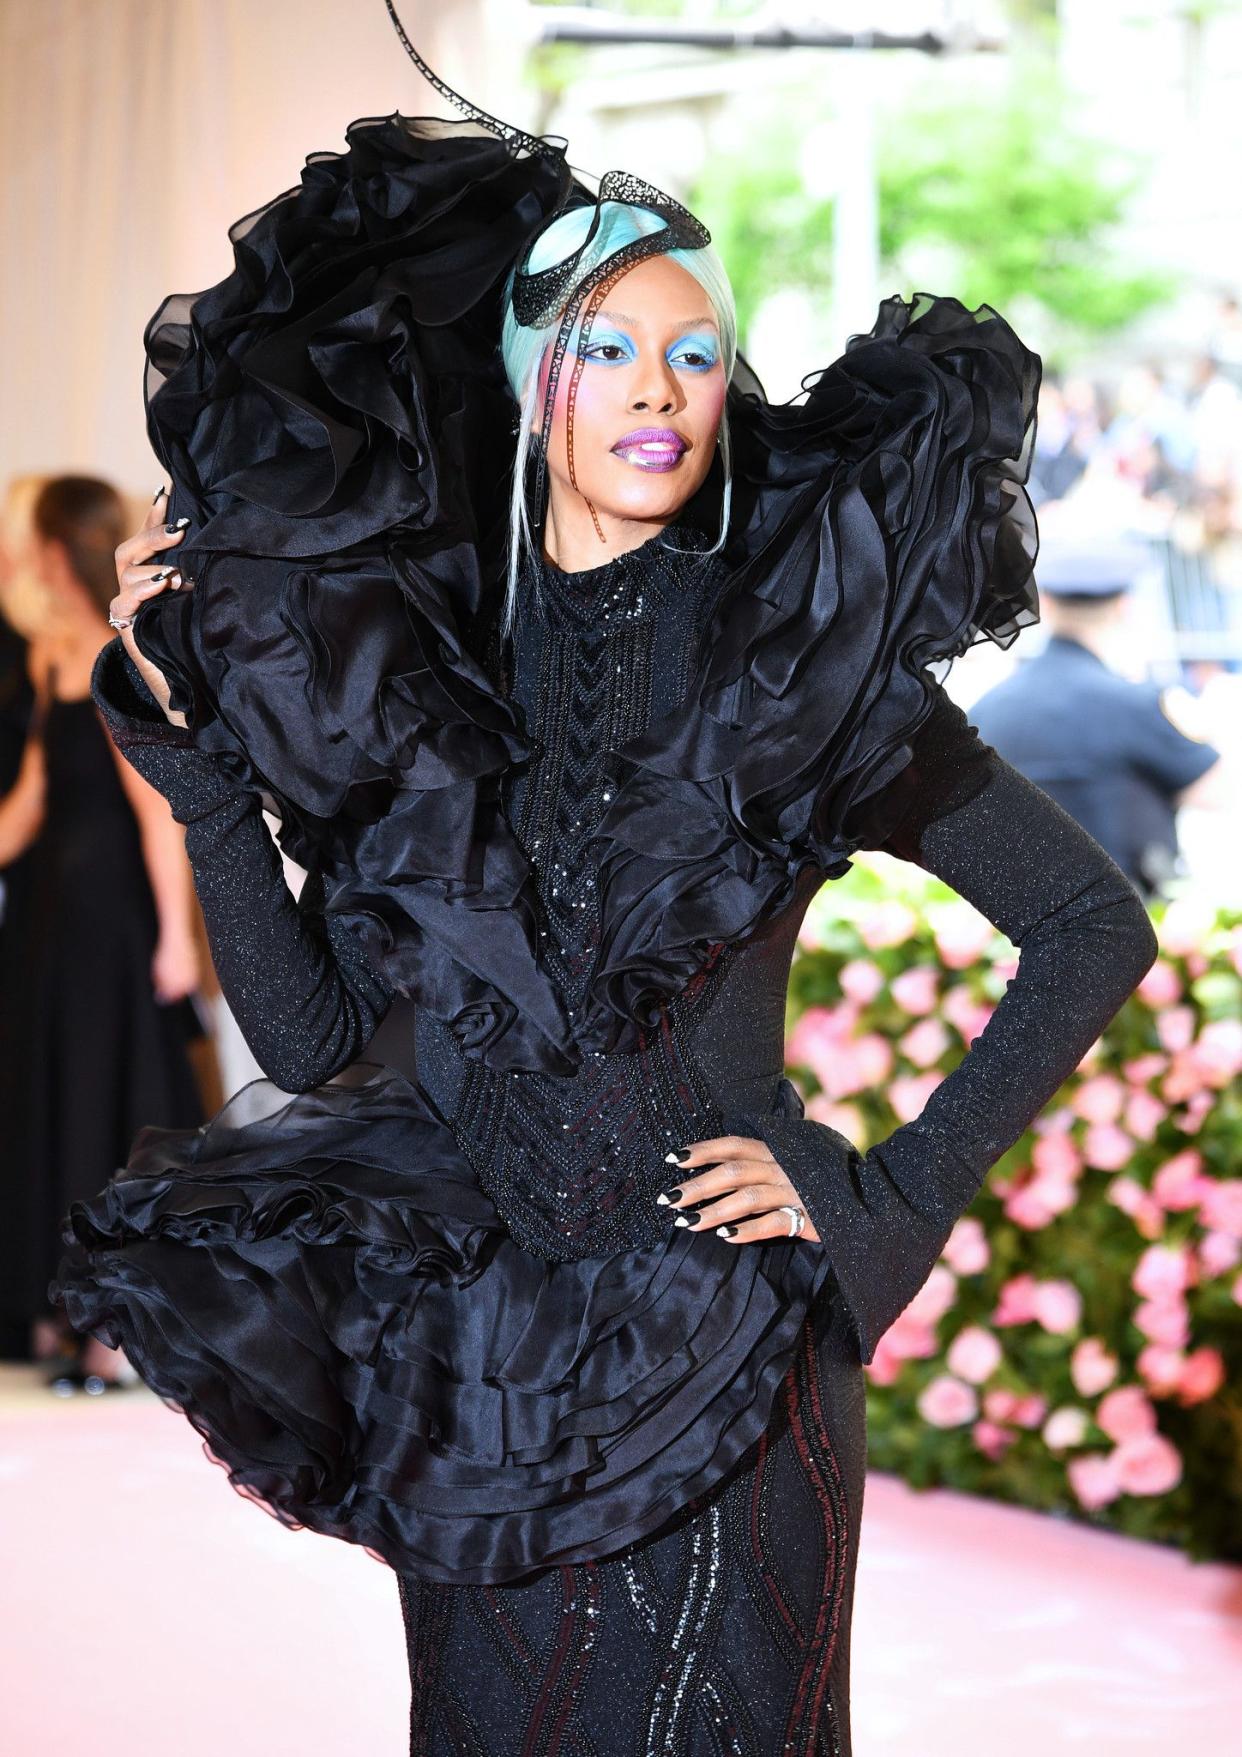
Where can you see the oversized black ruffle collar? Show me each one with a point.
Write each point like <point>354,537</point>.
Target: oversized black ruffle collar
<point>335,422</point>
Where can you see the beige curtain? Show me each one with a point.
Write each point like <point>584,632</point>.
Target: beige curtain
<point>133,132</point>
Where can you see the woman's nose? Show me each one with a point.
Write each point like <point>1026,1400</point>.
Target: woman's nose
<point>656,388</point>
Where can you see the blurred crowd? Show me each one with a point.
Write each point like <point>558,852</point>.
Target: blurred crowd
<point>1137,480</point>
<point>1157,454</point>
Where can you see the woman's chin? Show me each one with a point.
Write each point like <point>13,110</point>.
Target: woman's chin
<point>644,494</point>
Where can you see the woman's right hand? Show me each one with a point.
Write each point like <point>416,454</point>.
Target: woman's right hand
<point>143,573</point>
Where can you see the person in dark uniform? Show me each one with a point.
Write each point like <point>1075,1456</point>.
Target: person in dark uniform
<point>1104,747</point>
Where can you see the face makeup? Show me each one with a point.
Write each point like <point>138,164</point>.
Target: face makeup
<point>646,414</point>
<point>651,448</point>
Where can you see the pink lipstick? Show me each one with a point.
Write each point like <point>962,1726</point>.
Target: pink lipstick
<point>651,448</point>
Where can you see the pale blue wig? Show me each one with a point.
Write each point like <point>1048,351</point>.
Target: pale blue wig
<point>523,348</point>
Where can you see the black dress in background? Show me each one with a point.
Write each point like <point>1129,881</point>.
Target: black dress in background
<point>87,1053</point>
<point>16,705</point>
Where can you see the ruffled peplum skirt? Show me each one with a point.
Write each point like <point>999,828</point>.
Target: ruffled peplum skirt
<point>320,1285</point>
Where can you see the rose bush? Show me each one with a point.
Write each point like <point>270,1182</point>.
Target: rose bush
<point>1077,1348</point>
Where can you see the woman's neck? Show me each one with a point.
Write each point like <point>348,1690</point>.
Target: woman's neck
<point>72,647</point>
<point>572,543</point>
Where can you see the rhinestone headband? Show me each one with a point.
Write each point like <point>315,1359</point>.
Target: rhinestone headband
<point>538,296</point>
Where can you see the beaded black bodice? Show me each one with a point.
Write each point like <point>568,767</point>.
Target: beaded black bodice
<point>600,653</point>
<point>574,1163</point>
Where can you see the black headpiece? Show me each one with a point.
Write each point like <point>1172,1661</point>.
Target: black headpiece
<point>540,294</point>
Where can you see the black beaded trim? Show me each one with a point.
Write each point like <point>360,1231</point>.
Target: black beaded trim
<point>574,1164</point>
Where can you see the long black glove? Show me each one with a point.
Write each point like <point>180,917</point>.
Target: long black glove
<point>1085,942</point>
<point>304,995</point>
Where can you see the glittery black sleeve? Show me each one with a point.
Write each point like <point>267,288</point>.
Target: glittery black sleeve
<point>1085,942</point>
<point>298,983</point>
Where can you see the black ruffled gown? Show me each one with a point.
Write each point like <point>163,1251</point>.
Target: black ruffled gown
<point>617,1466</point>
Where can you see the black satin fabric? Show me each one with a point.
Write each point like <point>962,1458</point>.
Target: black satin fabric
<point>416,1382</point>
<point>725,1634</point>
<point>326,1286</point>
<point>323,1288</point>
<point>334,419</point>
<point>616,1465</point>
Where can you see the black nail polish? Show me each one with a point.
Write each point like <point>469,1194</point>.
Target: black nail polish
<point>669,1196</point>
<point>159,493</point>
<point>162,575</point>
<point>727,1231</point>
<point>681,1154</point>
<point>180,525</point>
<point>688,1217</point>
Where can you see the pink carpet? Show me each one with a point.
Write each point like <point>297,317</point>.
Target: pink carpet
<point>151,1612</point>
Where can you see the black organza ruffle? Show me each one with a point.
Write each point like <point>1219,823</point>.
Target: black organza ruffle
<point>884,527</point>
<point>335,422</point>
<point>334,419</point>
<point>416,1383</point>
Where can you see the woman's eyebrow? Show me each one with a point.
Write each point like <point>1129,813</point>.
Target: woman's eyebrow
<point>682,323</point>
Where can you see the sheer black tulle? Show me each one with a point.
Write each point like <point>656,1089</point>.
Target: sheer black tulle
<point>335,421</point>
<point>417,1383</point>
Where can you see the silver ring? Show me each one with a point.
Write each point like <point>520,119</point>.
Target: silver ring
<point>797,1219</point>
<point>120,621</point>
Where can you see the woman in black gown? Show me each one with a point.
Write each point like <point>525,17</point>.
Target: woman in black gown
<point>612,1446</point>
<point>99,952</point>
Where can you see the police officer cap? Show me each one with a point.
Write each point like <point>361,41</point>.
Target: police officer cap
<point>1089,567</point>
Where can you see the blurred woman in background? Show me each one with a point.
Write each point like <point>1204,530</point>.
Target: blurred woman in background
<point>99,952</point>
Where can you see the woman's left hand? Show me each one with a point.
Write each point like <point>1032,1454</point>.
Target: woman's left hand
<point>743,1192</point>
